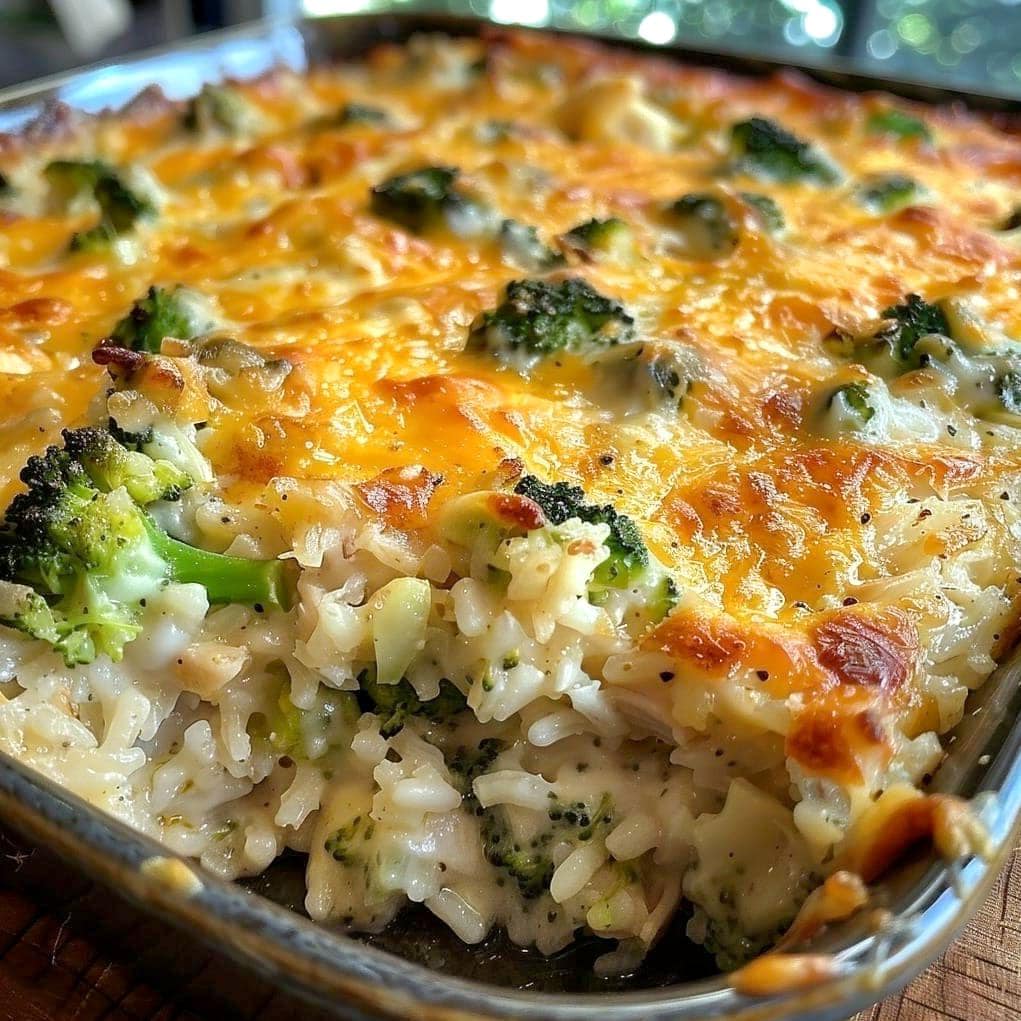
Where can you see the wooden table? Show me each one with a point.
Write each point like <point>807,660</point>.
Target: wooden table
<point>69,951</point>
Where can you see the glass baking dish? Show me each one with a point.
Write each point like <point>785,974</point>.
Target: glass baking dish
<point>926,901</point>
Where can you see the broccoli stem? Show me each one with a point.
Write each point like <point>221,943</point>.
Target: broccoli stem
<point>226,579</point>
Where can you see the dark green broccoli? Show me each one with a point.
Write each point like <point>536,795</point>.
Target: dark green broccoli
<point>768,210</point>
<point>765,149</point>
<point>71,179</point>
<point>911,321</point>
<point>531,868</point>
<point>468,763</point>
<point>705,228</point>
<point>521,244</point>
<point>897,124</point>
<point>422,200</point>
<point>347,843</point>
<point>120,208</point>
<point>854,398</point>
<point>396,703</point>
<point>6,188</point>
<point>886,193</point>
<point>538,318</point>
<point>561,501</point>
<point>89,555</point>
<point>362,113</point>
<point>221,108</point>
<point>161,313</point>
<point>612,239</point>
<point>530,863</point>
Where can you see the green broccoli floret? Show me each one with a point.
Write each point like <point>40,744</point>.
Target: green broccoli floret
<point>81,540</point>
<point>530,867</point>
<point>120,208</point>
<point>897,124</point>
<point>767,209</point>
<point>612,239</point>
<point>853,398</point>
<point>6,188</point>
<point>396,703</point>
<point>221,108</point>
<point>422,200</point>
<point>521,244</point>
<point>561,501</point>
<point>362,113</point>
<point>538,318</point>
<point>308,733</point>
<point>705,228</point>
<point>911,321</point>
<point>886,193</point>
<point>765,149</point>
<point>161,313</point>
<point>347,843</point>
<point>468,763</point>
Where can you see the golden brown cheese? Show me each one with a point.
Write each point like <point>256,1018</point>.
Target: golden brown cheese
<point>754,509</point>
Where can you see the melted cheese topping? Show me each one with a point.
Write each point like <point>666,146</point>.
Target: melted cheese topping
<point>801,552</point>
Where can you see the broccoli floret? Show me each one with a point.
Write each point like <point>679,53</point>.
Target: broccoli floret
<point>70,179</point>
<point>421,200</point>
<point>911,321</point>
<point>886,193</point>
<point>561,501</point>
<point>538,318</point>
<point>767,209</point>
<point>705,228</point>
<point>161,313</point>
<point>6,188</point>
<point>530,863</point>
<point>221,108</point>
<point>81,539</point>
<point>396,703</point>
<point>530,867</point>
<point>120,208</point>
<point>765,149</point>
<point>362,113</point>
<point>611,239</point>
<point>308,733</point>
<point>347,843</point>
<point>897,124</point>
<point>468,763</point>
<point>853,400</point>
<point>521,244</point>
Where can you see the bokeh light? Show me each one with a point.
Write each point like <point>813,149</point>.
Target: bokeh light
<point>967,43</point>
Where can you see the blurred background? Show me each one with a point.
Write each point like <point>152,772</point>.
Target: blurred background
<point>966,43</point>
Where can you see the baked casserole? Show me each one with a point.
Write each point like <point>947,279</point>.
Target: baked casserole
<point>559,487</point>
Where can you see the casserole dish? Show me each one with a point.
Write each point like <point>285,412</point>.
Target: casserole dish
<point>352,976</point>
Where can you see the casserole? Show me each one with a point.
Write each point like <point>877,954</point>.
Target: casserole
<point>174,883</point>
